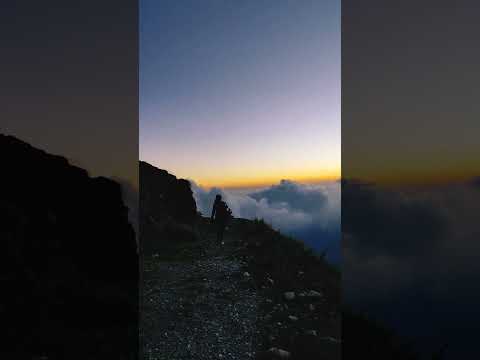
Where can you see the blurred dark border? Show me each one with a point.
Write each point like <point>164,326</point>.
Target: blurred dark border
<point>410,199</point>
<point>69,183</point>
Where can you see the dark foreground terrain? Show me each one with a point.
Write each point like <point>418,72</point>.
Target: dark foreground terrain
<point>248,298</point>
<point>260,295</point>
<point>69,265</point>
<point>198,305</point>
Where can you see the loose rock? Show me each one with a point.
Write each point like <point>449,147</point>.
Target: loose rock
<point>279,353</point>
<point>313,293</point>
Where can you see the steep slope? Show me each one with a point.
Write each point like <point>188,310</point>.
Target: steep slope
<point>203,300</point>
<point>69,263</point>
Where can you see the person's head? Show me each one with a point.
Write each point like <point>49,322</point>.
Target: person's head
<point>218,197</point>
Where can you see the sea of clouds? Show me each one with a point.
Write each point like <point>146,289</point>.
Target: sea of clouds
<point>410,258</point>
<point>308,212</point>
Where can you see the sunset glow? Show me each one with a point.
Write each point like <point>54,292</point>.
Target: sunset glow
<point>254,103</point>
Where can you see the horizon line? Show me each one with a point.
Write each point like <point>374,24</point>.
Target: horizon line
<point>265,183</point>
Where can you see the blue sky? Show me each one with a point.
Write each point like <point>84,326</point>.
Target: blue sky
<point>241,92</point>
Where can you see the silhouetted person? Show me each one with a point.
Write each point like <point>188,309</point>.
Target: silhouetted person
<point>220,215</point>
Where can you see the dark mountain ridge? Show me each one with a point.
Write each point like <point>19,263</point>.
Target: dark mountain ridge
<point>69,264</point>
<point>168,210</point>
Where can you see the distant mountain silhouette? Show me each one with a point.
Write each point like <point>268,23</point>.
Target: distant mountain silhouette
<point>69,263</point>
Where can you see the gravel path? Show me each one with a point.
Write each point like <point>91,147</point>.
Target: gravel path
<point>202,309</point>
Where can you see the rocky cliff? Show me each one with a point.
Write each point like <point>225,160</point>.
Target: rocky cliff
<point>69,264</point>
<point>167,209</point>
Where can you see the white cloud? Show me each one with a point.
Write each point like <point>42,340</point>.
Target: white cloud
<point>308,212</point>
<point>286,206</point>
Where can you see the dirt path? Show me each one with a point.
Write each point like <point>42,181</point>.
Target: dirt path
<point>201,309</point>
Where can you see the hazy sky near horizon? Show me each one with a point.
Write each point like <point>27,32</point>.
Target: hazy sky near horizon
<point>409,100</point>
<point>70,82</point>
<point>241,92</point>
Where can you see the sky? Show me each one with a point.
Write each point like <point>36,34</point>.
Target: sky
<point>241,93</point>
<point>70,82</point>
<point>409,109</point>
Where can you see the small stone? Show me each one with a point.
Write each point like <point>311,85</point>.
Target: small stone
<point>246,274</point>
<point>330,339</point>
<point>293,318</point>
<point>289,295</point>
<point>279,353</point>
<point>313,293</point>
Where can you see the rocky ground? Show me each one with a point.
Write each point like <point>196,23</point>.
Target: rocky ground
<point>255,297</point>
<point>203,307</point>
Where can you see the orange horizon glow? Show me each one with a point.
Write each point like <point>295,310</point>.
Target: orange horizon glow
<point>250,183</point>
<point>253,170</point>
<point>382,180</point>
<point>254,176</point>
<point>240,173</point>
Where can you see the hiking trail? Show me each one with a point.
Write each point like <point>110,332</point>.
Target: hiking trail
<point>202,306</point>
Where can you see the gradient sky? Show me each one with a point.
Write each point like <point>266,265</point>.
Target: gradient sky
<point>241,92</point>
<point>410,109</point>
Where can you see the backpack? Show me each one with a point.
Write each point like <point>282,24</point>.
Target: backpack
<point>223,212</point>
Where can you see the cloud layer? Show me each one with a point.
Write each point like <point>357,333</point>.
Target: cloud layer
<point>308,212</point>
<point>410,257</point>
